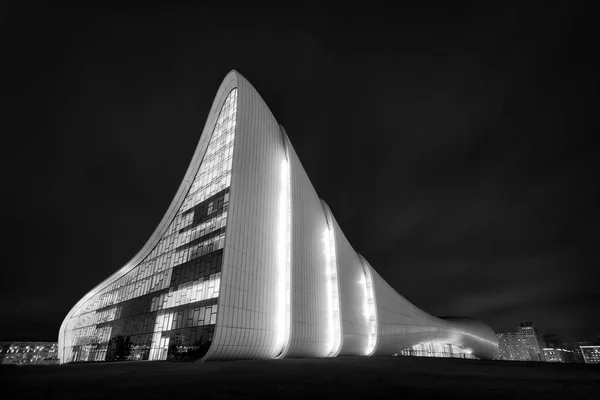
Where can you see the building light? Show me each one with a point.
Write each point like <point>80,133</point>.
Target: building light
<point>283,300</point>
<point>334,339</point>
<point>370,311</point>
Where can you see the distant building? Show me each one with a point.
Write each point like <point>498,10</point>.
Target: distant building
<point>509,347</point>
<point>3,349</point>
<point>532,341</point>
<point>29,353</point>
<point>525,344</point>
<point>575,347</point>
<point>591,354</point>
<point>555,354</point>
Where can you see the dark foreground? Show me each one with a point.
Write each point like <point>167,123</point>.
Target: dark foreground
<point>345,378</point>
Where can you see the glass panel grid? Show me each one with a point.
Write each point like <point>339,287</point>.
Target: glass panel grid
<point>144,314</point>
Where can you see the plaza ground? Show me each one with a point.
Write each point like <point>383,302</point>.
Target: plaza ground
<point>343,377</point>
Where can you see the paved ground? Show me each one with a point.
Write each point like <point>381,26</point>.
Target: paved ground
<point>345,378</point>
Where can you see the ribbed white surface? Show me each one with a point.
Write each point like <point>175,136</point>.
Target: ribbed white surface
<point>247,304</point>
<point>355,328</point>
<point>246,322</point>
<point>309,317</point>
<point>402,325</point>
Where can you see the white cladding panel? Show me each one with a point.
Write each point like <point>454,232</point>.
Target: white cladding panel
<point>402,325</point>
<point>246,322</point>
<point>309,316</point>
<point>355,328</point>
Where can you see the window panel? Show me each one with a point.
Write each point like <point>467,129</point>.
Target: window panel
<point>143,300</point>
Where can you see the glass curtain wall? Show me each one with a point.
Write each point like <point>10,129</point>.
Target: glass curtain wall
<point>431,349</point>
<point>166,307</point>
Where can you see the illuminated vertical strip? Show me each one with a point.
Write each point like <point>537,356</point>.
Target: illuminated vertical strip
<point>283,262</point>
<point>334,331</point>
<point>369,310</point>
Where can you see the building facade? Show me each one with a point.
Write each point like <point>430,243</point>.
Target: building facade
<point>28,353</point>
<point>510,348</point>
<point>591,354</point>
<point>555,354</point>
<point>440,350</point>
<point>248,262</point>
<point>532,341</point>
<point>525,344</point>
<point>575,348</point>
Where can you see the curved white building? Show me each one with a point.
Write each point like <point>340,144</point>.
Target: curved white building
<point>249,262</point>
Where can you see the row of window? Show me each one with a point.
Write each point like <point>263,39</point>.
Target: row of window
<point>184,343</point>
<point>118,292</point>
<point>135,316</point>
<point>432,349</point>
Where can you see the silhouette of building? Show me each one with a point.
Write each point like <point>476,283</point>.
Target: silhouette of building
<point>248,262</point>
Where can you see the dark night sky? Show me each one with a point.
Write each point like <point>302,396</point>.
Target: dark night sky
<point>454,145</point>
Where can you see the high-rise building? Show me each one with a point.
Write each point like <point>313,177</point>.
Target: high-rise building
<point>510,347</point>
<point>532,341</point>
<point>525,344</point>
<point>248,262</point>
